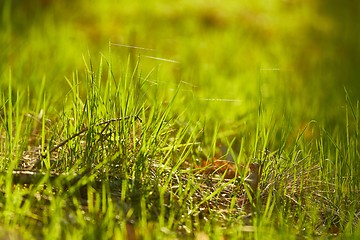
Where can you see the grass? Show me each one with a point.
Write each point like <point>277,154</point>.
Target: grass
<point>113,125</point>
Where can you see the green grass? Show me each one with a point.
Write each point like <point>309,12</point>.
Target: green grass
<point>109,116</point>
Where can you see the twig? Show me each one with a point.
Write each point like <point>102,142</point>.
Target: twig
<point>86,129</point>
<point>33,177</point>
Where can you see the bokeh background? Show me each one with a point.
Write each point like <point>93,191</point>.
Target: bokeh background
<point>298,57</point>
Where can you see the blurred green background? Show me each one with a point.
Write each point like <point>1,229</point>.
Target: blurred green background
<point>296,57</point>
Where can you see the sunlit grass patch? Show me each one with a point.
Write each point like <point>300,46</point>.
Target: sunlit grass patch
<point>151,121</point>
<point>119,161</point>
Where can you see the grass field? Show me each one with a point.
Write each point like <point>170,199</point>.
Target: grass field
<point>141,120</point>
